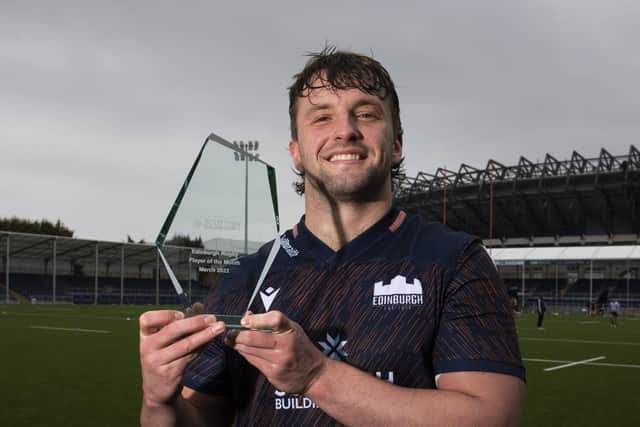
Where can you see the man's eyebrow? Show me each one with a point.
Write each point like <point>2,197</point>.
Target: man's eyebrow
<point>328,106</point>
<point>366,102</point>
<point>317,107</point>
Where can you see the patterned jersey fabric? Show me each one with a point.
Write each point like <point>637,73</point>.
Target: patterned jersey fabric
<point>404,301</point>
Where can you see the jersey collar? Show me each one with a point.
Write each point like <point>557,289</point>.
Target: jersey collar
<point>313,247</point>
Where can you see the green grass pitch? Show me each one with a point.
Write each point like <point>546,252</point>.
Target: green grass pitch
<point>78,365</point>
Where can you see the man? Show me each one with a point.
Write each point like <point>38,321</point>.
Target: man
<point>541,308</point>
<point>377,318</point>
<point>614,307</point>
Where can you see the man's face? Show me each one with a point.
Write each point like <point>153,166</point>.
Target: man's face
<point>346,145</point>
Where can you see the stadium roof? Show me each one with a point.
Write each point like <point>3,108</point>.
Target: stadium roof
<point>39,246</point>
<point>567,253</point>
<point>83,251</point>
<point>566,202</point>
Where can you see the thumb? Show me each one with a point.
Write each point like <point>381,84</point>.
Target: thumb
<point>275,321</point>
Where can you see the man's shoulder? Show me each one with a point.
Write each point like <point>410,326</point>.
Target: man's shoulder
<point>437,231</point>
<point>287,253</point>
<point>428,242</point>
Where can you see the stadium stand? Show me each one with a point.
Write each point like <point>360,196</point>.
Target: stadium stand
<point>572,212</point>
<point>570,202</point>
<point>44,269</point>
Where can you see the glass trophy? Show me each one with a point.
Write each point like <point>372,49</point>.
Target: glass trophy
<point>227,208</point>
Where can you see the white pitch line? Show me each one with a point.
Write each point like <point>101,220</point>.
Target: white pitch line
<point>615,365</point>
<point>612,365</point>
<point>63,315</point>
<point>579,362</point>
<point>579,341</point>
<point>96,331</point>
<point>529,359</point>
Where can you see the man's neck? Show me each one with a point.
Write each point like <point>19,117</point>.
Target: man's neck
<point>337,223</point>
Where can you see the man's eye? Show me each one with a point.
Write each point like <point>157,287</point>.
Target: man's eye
<point>321,119</point>
<point>367,116</point>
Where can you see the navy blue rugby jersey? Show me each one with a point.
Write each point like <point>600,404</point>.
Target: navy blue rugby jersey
<point>404,301</point>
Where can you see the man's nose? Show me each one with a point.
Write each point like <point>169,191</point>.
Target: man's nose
<point>346,128</point>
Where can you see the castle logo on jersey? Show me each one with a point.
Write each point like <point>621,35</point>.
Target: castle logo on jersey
<point>398,292</point>
<point>267,296</point>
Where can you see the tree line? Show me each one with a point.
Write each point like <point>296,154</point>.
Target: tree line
<point>43,226</point>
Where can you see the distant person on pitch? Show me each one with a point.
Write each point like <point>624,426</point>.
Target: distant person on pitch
<point>377,318</point>
<point>541,308</point>
<point>614,308</point>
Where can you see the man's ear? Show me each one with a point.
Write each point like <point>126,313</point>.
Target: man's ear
<point>294,150</point>
<point>397,149</point>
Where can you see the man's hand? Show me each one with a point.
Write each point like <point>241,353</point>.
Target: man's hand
<point>168,342</point>
<point>286,357</point>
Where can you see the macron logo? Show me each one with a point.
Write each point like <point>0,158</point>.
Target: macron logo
<point>398,292</point>
<point>267,296</point>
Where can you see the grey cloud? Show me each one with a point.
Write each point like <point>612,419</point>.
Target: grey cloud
<point>102,102</point>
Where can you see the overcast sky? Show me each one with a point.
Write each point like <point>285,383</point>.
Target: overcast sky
<point>104,105</point>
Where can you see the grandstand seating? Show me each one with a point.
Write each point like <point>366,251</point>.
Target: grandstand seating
<point>81,290</point>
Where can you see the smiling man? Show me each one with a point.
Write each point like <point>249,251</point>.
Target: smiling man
<point>378,318</point>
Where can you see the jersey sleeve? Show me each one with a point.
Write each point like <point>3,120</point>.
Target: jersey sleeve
<point>476,330</point>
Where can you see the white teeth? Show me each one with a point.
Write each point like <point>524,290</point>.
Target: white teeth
<point>344,157</point>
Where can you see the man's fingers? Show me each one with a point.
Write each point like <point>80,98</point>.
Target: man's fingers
<point>175,368</point>
<point>174,331</point>
<point>273,320</point>
<point>191,344</point>
<point>254,339</point>
<point>262,353</point>
<point>162,328</point>
<point>196,308</point>
<point>152,321</point>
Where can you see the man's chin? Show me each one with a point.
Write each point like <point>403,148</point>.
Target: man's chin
<point>355,190</point>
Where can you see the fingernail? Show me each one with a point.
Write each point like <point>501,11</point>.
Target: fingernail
<point>218,327</point>
<point>178,315</point>
<point>209,319</point>
<point>244,321</point>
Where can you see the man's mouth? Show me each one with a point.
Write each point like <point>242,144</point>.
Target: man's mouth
<point>339,157</point>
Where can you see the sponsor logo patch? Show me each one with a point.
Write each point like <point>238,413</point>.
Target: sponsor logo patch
<point>286,245</point>
<point>398,293</point>
<point>284,401</point>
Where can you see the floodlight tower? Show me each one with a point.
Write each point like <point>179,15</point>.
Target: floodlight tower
<point>249,152</point>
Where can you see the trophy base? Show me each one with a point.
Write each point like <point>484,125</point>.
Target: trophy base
<point>232,322</point>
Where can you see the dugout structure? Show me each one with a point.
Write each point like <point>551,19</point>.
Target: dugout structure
<point>39,268</point>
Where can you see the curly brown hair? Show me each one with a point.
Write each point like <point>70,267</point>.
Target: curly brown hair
<point>341,70</point>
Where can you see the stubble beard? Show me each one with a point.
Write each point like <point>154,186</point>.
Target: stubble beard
<point>365,188</point>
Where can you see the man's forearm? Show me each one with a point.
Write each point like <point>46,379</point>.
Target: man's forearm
<point>178,413</point>
<point>356,398</point>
